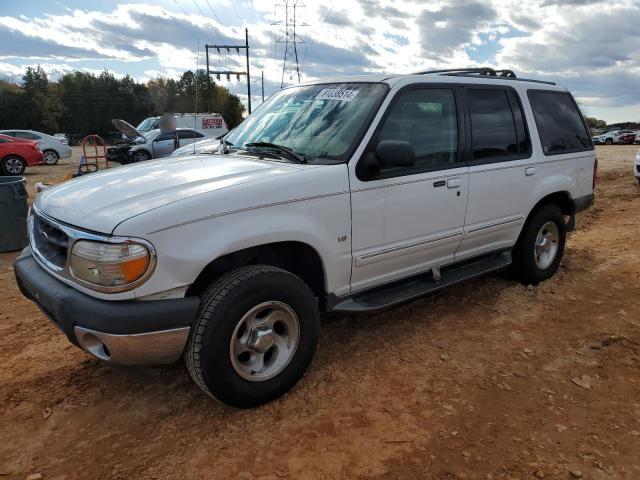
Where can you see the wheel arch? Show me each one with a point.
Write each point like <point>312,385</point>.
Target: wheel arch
<point>297,257</point>
<point>14,155</point>
<point>561,198</point>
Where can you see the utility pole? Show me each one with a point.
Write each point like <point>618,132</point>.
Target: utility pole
<point>246,41</point>
<point>228,73</point>
<point>262,77</point>
<point>291,40</point>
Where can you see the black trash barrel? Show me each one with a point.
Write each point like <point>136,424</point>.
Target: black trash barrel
<point>13,213</point>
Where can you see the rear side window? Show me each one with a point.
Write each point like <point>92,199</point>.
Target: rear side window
<point>559,122</point>
<point>498,131</point>
<point>26,135</point>
<point>182,134</point>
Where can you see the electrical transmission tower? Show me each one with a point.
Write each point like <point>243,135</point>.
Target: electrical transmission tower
<point>290,66</point>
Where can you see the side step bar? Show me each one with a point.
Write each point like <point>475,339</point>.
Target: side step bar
<point>409,289</point>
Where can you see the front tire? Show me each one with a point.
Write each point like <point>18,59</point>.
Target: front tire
<point>608,141</point>
<point>51,157</point>
<point>13,165</point>
<point>539,249</point>
<point>141,156</point>
<point>254,336</point>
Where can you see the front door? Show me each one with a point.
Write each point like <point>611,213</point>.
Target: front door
<point>408,219</point>
<point>164,144</point>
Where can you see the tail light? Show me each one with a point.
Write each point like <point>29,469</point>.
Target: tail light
<point>36,146</point>
<point>595,173</point>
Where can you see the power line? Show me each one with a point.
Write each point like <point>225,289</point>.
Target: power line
<point>199,9</point>
<point>212,11</point>
<point>180,7</point>
<point>233,4</point>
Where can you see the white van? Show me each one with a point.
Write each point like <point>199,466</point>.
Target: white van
<point>208,124</point>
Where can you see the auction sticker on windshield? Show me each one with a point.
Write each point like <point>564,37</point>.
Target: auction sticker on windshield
<point>337,94</point>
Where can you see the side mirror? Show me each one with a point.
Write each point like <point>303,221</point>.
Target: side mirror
<point>395,153</point>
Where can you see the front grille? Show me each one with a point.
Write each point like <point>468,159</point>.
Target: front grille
<point>49,242</point>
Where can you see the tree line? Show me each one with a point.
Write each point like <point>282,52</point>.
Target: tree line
<point>80,103</point>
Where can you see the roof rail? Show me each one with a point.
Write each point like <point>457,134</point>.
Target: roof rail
<point>480,71</point>
<point>486,72</point>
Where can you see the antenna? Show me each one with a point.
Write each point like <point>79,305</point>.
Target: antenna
<point>290,66</point>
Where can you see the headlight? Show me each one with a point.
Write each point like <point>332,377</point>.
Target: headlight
<point>109,264</point>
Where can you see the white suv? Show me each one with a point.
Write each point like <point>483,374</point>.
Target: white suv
<point>351,195</point>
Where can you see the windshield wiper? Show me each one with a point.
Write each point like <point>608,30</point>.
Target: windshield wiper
<point>280,148</point>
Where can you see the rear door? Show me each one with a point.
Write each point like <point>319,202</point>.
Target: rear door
<point>186,137</point>
<point>408,219</point>
<point>502,174</point>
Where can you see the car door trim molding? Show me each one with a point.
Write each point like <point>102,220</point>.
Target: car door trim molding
<point>375,256</point>
<point>413,180</point>
<point>496,224</point>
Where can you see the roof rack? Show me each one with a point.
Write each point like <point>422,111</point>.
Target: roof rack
<point>485,72</point>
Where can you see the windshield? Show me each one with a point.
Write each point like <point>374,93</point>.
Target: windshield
<point>313,121</point>
<point>147,124</point>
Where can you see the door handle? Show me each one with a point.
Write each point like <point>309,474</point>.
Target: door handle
<point>453,183</point>
<point>530,171</point>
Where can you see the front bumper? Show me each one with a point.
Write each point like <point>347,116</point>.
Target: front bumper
<point>124,332</point>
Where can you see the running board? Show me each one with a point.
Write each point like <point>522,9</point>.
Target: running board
<point>403,291</point>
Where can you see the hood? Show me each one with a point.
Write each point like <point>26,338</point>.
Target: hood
<point>126,128</point>
<point>100,201</point>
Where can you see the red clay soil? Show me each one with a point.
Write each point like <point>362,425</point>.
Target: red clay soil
<point>487,380</point>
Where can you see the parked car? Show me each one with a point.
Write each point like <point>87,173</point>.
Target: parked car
<point>17,153</point>
<point>142,146</point>
<point>636,167</point>
<point>610,138</point>
<point>371,192</point>
<point>637,139</point>
<point>210,145</point>
<point>208,124</point>
<point>627,138</point>
<point>53,148</point>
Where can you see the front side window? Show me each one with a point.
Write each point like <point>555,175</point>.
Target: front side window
<point>496,133</point>
<point>316,121</point>
<point>427,119</point>
<point>166,136</point>
<point>559,122</point>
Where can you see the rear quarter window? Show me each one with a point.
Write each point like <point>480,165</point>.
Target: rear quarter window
<point>560,124</point>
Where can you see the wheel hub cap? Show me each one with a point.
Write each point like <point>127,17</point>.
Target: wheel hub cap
<point>546,246</point>
<point>264,341</point>
<point>261,338</point>
<point>13,165</point>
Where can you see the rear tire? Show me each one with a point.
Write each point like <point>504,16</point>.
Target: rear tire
<point>254,336</point>
<point>539,249</point>
<point>51,157</point>
<point>608,141</point>
<point>13,165</point>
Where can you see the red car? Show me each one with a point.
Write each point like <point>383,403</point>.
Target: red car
<point>17,153</point>
<point>627,138</point>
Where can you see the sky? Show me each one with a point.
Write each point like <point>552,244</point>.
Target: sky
<point>591,47</point>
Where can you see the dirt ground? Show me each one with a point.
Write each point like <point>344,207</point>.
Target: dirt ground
<point>487,380</point>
